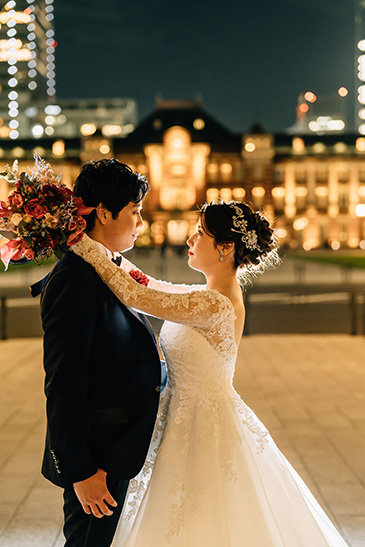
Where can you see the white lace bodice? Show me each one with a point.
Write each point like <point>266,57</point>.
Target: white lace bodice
<point>208,312</point>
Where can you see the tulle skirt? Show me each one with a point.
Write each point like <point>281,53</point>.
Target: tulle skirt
<point>215,478</point>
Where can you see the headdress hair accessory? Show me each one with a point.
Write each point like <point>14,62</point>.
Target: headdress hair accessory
<point>249,237</point>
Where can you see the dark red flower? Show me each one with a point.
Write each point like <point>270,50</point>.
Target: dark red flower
<point>54,238</point>
<point>140,277</point>
<point>34,209</point>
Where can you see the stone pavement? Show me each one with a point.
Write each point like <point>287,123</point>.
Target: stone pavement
<point>308,390</point>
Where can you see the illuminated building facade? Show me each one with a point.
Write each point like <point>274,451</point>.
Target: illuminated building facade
<point>313,186</point>
<point>27,66</point>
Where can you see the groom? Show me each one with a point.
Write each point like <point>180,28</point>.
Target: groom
<point>102,366</point>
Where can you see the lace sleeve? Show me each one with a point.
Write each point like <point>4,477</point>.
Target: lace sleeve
<point>160,285</point>
<point>197,308</point>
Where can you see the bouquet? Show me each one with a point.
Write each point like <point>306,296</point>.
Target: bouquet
<point>41,216</point>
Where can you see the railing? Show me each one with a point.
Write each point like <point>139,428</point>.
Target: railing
<point>353,294</point>
<point>14,297</point>
<point>296,294</point>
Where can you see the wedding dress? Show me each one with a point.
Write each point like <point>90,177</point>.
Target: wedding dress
<point>213,476</point>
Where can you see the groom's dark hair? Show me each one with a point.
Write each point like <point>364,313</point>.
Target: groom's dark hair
<point>111,183</point>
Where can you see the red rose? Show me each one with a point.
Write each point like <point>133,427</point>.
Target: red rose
<point>34,209</point>
<point>29,253</point>
<point>139,276</point>
<point>52,194</point>
<point>72,225</point>
<point>16,199</point>
<point>74,238</point>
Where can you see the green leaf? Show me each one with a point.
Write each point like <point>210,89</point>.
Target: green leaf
<point>58,252</point>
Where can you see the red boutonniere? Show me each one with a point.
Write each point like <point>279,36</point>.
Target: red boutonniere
<point>139,276</point>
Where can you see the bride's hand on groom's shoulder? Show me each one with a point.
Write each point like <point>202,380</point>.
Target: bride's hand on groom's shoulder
<point>94,496</point>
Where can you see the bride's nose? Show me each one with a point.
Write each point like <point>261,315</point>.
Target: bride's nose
<point>189,242</point>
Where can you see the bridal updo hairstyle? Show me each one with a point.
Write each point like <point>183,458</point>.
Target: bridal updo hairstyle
<point>217,220</point>
<point>111,183</point>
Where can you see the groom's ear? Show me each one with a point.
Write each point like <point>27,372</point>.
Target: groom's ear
<point>102,214</point>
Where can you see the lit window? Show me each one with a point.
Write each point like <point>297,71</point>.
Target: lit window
<point>212,194</point>
<point>301,191</point>
<point>298,145</point>
<point>360,144</point>
<point>319,148</point>
<point>104,149</point>
<point>37,130</point>
<point>87,129</point>
<point>212,168</point>
<point>58,148</point>
<point>278,192</point>
<point>258,192</point>
<point>226,194</point>
<point>198,124</point>
<point>238,193</point>
<point>250,147</point>
<point>226,168</point>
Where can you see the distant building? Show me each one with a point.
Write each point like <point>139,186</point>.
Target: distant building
<point>312,186</point>
<point>323,114</point>
<point>28,105</point>
<point>27,67</point>
<point>111,117</point>
<point>360,64</point>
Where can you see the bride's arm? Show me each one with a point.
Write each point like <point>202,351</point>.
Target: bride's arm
<point>159,285</point>
<point>198,308</point>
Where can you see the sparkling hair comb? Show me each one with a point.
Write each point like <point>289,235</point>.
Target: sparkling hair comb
<point>249,237</point>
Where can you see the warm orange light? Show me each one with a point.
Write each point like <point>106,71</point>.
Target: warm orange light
<point>303,108</point>
<point>360,144</point>
<point>87,129</point>
<point>343,91</point>
<point>298,145</point>
<point>250,147</point>
<point>4,131</point>
<point>28,11</point>
<point>58,148</point>
<point>310,97</point>
<point>104,148</point>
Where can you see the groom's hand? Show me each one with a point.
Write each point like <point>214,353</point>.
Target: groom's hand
<point>93,494</point>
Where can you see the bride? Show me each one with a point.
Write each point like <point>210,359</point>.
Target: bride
<point>213,476</point>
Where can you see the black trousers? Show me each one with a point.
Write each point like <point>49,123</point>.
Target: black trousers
<point>82,530</point>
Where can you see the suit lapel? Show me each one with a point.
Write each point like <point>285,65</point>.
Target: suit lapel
<point>140,318</point>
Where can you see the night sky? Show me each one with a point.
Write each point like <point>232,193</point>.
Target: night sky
<point>248,60</point>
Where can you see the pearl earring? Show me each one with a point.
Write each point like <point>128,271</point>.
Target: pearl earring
<point>221,252</point>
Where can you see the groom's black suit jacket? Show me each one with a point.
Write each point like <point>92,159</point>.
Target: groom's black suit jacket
<point>102,377</point>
